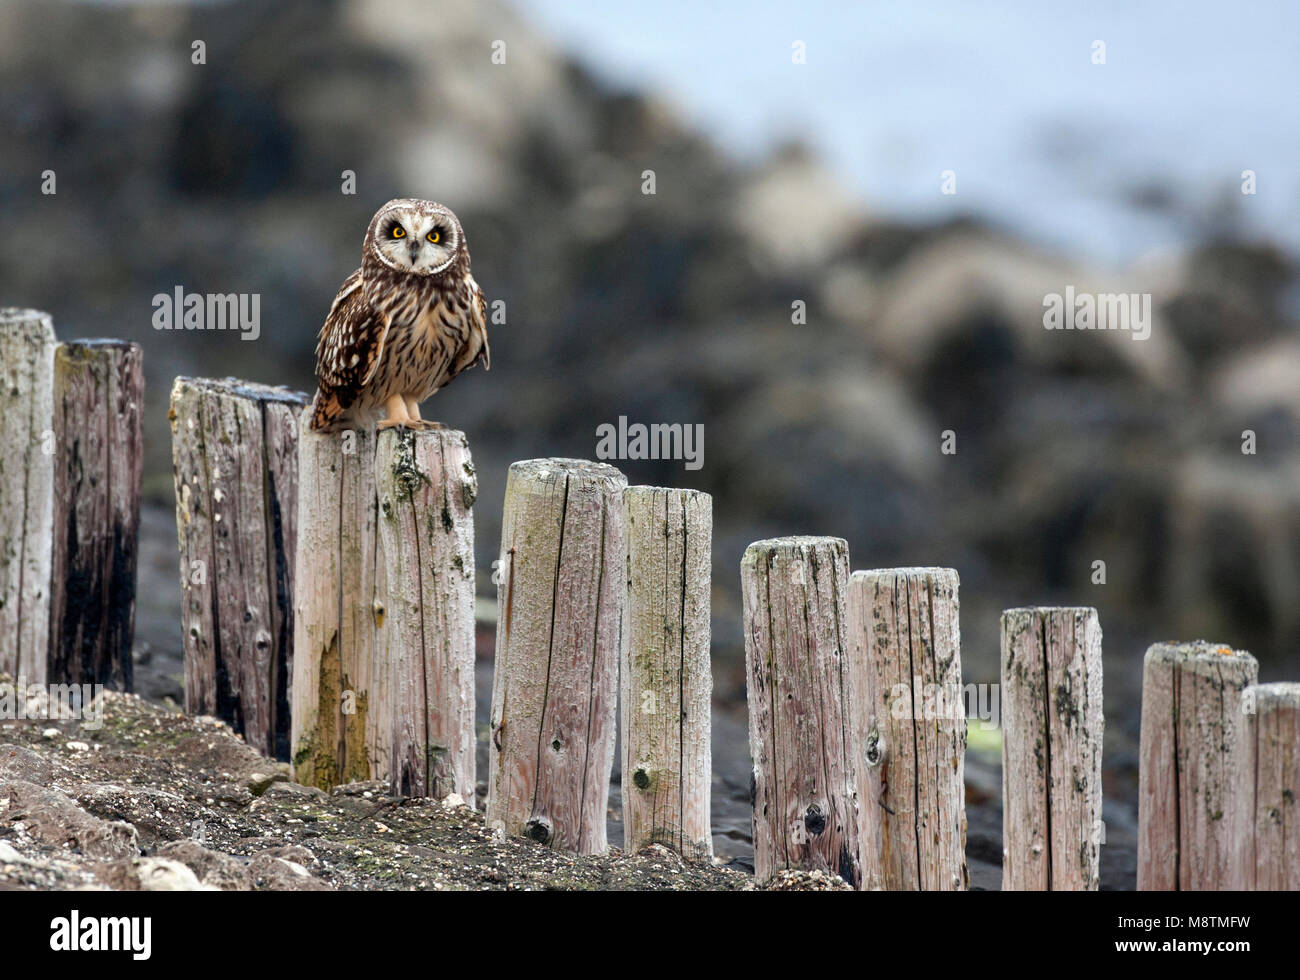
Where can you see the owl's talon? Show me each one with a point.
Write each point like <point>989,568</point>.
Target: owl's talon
<point>393,424</point>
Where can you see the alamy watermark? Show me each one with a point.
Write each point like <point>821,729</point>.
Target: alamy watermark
<point>179,310</point>
<point>1098,311</point>
<point>655,441</point>
<point>935,702</point>
<point>75,933</point>
<point>52,702</point>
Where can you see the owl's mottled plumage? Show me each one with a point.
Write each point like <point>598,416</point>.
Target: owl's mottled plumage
<point>404,324</point>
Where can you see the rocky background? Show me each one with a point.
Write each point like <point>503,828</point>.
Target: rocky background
<point>676,307</point>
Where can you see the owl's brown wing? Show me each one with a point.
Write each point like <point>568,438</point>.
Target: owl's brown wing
<point>348,352</point>
<point>476,347</point>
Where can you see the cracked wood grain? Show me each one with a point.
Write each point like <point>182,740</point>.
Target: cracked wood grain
<point>1275,726</point>
<point>1196,774</point>
<point>383,670</point>
<point>905,650</point>
<point>424,580</point>
<point>98,455</point>
<point>561,593</point>
<point>666,678</point>
<point>799,690</point>
<point>234,465</point>
<point>26,491</point>
<point>1051,749</point>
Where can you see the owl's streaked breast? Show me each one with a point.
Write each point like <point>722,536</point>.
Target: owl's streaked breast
<point>422,343</point>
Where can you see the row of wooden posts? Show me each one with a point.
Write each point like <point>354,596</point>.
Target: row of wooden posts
<point>328,613</point>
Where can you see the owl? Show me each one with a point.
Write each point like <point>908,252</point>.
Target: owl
<point>403,325</point>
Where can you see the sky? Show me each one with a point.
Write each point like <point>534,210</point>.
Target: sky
<point>1042,140</point>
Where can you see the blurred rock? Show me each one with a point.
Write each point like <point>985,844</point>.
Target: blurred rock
<point>667,307</point>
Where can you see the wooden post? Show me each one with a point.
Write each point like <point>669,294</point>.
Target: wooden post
<point>98,408</point>
<point>667,681</point>
<point>26,491</point>
<point>234,461</point>
<point>905,651</point>
<point>424,580</point>
<point>342,721</point>
<point>1196,813</point>
<point>383,669</point>
<point>561,593</point>
<point>1274,711</point>
<point>1052,729</point>
<point>800,696</point>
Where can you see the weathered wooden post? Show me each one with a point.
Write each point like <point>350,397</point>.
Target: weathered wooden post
<point>26,491</point>
<point>342,724</point>
<point>1196,807</point>
<point>562,586</point>
<point>1052,727</point>
<point>383,668</point>
<point>905,652</point>
<point>234,462</point>
<point>666,678</point>
<point>424,583</point>
<point>794,593</point>
<point>1196,792</point>
<point>1274,713</point>
<point>99,452</point>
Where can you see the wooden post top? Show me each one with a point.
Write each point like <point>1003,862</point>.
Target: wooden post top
<point>13,317</point>
<point>1279,695</point>
<point>685,492</point>
<point>556,466</point>
<point>793,546</point>
<point>71,348</point>
<point>1020,611</point>
<point>1016,621</point>
<point>243,389</point>
<point>406,438</point>
<point>933,571</point>
<point>1199,656</point>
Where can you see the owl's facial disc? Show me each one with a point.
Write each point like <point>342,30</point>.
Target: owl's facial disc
<point>418,242</point>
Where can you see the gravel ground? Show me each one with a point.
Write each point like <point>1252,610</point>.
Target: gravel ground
<point>156,800</point>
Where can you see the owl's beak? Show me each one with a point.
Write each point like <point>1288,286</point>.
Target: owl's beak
<point>415,251</point>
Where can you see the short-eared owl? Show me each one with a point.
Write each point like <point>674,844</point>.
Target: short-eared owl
<point>404,324</point>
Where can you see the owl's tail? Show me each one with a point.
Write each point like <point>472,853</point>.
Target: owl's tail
<point>327,414</point>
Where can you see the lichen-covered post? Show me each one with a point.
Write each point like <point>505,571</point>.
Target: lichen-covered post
<point>26,491</point>
<point>795,597</point>
<point>905,652</point>
<point>667,681</point>
<point>234,463</point>
<point>342,723</point>
<point>1052,728</point>
<point>98,455</point>
<point>1196,775</point>
<point>561,593</point>
<point>424,584</point>
<point>1274,713</point>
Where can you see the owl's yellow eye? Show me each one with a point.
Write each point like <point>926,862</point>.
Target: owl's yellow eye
<point>399,231</point>
<point>435,237</point>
